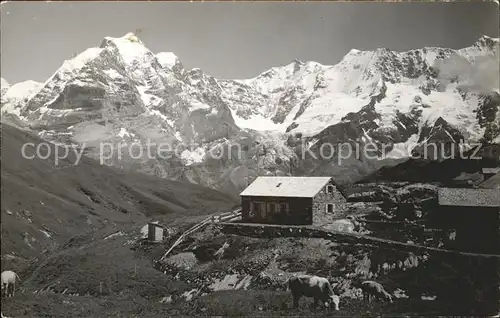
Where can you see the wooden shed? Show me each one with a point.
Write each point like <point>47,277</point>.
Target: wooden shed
<point>291,200</point>
<point>155,232</point>
<point>474,213</point>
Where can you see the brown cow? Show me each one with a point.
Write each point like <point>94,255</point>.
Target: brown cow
<point>313,286</point>
<point>373,289</point>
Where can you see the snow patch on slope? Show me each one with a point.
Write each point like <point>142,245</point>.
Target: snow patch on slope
<point>256,122</point>
<point>456,112</point>
<point>4,86</point>
<point>159,114</point>
<point>403,149</point>
<point>325,111</point>
<point>129,47</point>
<point>16,96</point>
<point>193,156</point>
<point>196,105</point>
<point>22,90</point>
<point>123,132</point>
<point>167,59</point>
<point>112,73</point>
<point>81,59</point>
<point>149,100</point>
<point>73,65</point>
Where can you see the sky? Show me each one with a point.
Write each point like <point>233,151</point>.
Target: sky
<point>233,40</point>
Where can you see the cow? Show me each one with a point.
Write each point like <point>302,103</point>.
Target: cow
<point>4,316</point>
<point>9,282</point>
<point>373,289</point>
<point>313,286</point>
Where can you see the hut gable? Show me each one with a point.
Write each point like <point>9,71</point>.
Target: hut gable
<point>327,203</point>
<point>491,171</point>
<point>491,183</point>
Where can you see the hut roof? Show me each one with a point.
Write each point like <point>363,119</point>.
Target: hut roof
<point>469,197</point>
<point>300,187</point>
<point>491,183</point>
<point>491,170</point>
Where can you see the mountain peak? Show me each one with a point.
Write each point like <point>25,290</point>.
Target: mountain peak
<point>129,47</point>
<point>488,38</point>
<point>297,65</point>
<point>354,52</point>
<point>129,38</point>
<point>487,41</point>
<point>4,86</point>
<point>4,83</point>
<point>384,52</point>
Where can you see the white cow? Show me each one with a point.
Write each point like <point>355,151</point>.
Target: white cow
<point>9,282</point>
<point>373,289</point>
<point>313,286</point>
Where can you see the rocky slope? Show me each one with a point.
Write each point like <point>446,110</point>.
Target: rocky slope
<point>45,203</point>
<point>446,172</point>
<point>187,125</point>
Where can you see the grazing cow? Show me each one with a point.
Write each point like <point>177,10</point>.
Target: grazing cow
<point>373,289</point>
<point>9,282</point>
<point>313,286</point>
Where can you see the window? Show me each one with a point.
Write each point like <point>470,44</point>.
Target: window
<point>284,208</point>
<point>271,207</point>
<point>277,206</point>
<point>251,213</point>
<point>256,209</point>
<point>329,208</point>
<point>260,209</point>
<point>329,189</point>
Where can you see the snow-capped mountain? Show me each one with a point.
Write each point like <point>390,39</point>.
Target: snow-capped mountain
<point>15,97</point>
<point>4,86</point>
<point>433,82</point>
<point>121,92</point>
<point>122,82</point>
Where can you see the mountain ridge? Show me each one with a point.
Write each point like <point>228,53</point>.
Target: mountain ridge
<point>122,92</point>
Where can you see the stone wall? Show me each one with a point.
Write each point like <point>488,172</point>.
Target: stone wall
<point>319,210</point>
